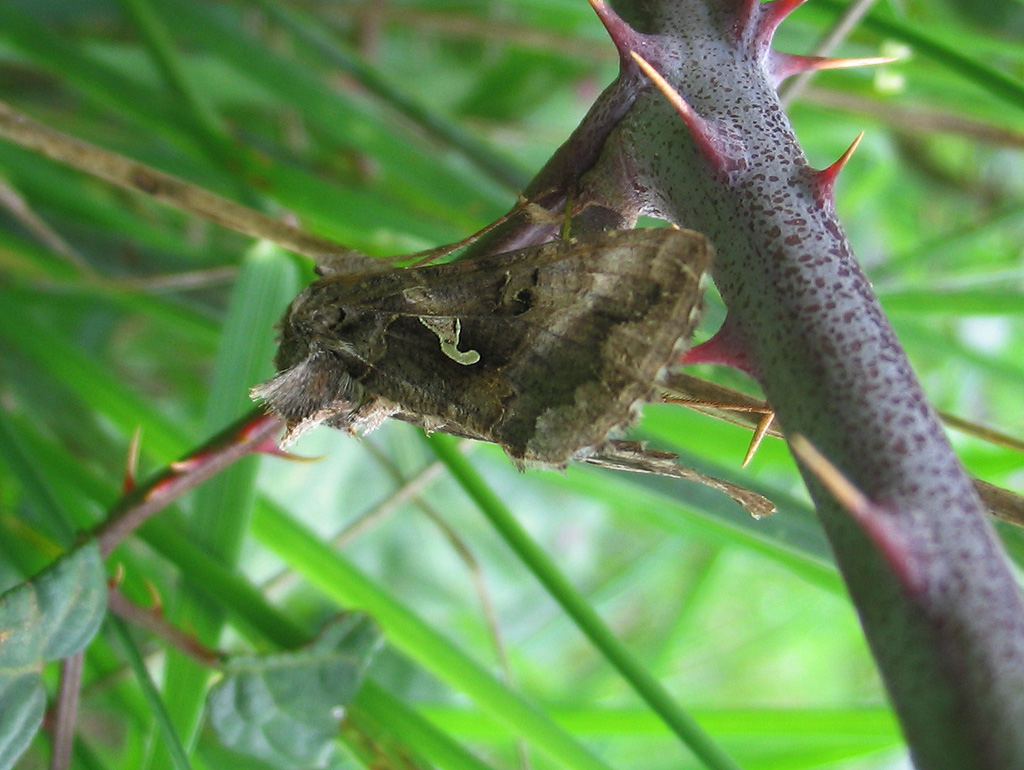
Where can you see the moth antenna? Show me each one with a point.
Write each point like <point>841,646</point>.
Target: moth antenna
<point>704,134</point>
<point>727,347</point>
<point>763,426</point>
<point>785,65</point>
<point>874,520</point>
<point>131,461</point>
<point>825,180</point>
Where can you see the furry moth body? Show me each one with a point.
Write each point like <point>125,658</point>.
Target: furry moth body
<point>545,351</point>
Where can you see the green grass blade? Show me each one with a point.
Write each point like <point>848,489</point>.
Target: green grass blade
<point>95,78</point>
<point>175,752</point>
<point>266,282</point>
<point>92,382</point>
<point>311,32</point>
<point>588,621</point>
<point>994,81</point>
<point>342,582</point>
<point>24,467</point>
<point>198,109</point>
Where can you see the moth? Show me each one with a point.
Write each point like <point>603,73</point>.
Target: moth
<point>547,351</point>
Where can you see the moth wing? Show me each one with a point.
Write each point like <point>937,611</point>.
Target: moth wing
<point>566,338</point>
<point>459,286</point>
<point>636,311</point>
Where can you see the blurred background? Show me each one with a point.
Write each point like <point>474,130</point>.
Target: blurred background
<point>397,126</point>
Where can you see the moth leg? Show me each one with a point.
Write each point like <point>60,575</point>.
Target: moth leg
<point>448,331</point>
<point>632,456</point>
<point>720,402</point>
<point>763,426</point>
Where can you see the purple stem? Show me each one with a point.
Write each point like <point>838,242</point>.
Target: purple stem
<point>939,605</point>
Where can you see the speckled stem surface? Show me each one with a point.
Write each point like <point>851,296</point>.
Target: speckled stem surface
<point>938,603</point>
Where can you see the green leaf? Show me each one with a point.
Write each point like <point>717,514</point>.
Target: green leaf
<point>51,616</point>
<point>285,708</point>
<point>22,702</point>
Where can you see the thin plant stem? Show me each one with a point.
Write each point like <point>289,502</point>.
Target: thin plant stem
<point>246,436</point>
<point>140,178</point>
<point>585,617</point>
<point>67,710</point>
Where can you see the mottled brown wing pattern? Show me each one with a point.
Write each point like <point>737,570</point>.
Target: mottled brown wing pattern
<point>544,351</point>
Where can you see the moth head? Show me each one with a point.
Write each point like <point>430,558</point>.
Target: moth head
<point>312,384</point>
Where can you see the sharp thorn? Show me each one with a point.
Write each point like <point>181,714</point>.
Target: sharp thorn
<point>156,602</point>
<point>785,65</point>
<point>726,347</point>
<point>131,461</point>
<point>187,464</point>
<point>116,579</point>
<point>702,132</point>
<point>622,35</point>
<point>772,15</point>
<point>874,521</point>
<point>763,426</point>
<point>826,178</point>
<point>841,488</point>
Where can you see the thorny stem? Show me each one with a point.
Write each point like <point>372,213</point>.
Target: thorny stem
<point>67,709</point>
<point>153,620</point>
<point>157,184</point>
<point>939,606</point>
<point>847,21</point>
<point>951,652</point>
<point>252,433</point>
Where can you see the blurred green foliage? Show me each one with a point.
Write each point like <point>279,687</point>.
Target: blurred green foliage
<point>436,113</point>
